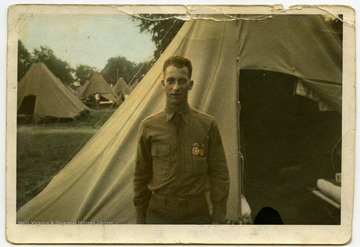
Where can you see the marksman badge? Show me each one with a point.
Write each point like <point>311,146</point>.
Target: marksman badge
<point>198,150</point>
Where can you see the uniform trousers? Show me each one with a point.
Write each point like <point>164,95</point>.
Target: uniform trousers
<point>164,209</point>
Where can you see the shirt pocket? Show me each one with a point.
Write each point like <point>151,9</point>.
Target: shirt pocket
<point>199,164</point>
<point>161,159</point>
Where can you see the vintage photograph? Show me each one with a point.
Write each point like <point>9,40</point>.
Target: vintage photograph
<point>175,122</point>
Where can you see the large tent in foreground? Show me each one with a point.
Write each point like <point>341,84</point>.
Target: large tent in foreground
<point>43,95</point>
<point>97,183</point>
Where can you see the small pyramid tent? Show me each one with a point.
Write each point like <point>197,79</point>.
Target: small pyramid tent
<point>98,85</point>
<point>122,88</point>
<point>50,97</point>
<point>97,183</point>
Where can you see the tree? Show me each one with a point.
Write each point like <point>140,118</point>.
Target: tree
<point>83,73</point>
<point>59,68</point>
<point>117,67</point>
<point>24,60</point>
<point>162,28</point>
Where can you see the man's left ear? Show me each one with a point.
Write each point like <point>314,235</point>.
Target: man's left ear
<point>191,84</point>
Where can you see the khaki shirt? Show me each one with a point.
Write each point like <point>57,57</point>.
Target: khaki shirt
<point>178,154</point>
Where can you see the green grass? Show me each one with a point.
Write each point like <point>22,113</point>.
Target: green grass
<point>93,120</point>
<point>44,149</point>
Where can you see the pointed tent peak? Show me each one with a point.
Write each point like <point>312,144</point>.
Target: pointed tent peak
<point>121,80</point>
<point>39,65</point>
<point>97,78</point>
<point>39,76</point>
<point>121,87</point>
<point>39,69</point>
<point>98,85</point>
<point>97,75</point>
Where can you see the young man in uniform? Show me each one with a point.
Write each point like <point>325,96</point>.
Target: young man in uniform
<point>179,153</point>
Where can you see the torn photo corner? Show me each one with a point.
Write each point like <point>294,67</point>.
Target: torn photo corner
<point>280,84</point>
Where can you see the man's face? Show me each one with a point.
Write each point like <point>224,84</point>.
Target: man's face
<point>176,84</point>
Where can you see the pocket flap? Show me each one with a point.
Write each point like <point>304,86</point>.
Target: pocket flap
<point>160,149</point>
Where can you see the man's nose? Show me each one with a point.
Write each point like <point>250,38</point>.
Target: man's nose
<point>176,86</point>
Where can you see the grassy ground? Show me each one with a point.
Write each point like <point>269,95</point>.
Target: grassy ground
<point>44,149</point>
<point>93,120</point>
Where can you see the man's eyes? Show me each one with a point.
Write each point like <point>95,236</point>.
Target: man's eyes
<point>182,81</point>
<point>171,80</point>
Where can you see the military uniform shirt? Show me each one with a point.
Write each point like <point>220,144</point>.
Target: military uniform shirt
<point>178,154</point>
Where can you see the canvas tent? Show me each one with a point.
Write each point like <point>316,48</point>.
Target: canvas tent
<point>97,183</point>
<point>97,85</point>
<point>122,88</point>
<point>42,94</point>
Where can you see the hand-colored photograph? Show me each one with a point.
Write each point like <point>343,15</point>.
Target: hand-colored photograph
<point>183,122</point>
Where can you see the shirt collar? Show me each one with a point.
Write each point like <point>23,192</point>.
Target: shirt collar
<point>183,110</point>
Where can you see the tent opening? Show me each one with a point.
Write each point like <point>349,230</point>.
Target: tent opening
<point>287,145</point>
<point>27,106</point>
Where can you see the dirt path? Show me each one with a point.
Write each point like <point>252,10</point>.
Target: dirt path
<point>49,130</point>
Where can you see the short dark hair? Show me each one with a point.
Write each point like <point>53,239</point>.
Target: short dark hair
<point>178,62</point>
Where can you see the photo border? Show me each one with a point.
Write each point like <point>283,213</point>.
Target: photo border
<point>209,234</point>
